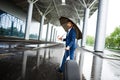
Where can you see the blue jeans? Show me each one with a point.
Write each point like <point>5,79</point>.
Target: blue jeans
<point>67,53</point>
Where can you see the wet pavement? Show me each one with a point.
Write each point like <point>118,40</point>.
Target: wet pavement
<point>39,62</point>
<point>31,62</point>
<point>96,67</point>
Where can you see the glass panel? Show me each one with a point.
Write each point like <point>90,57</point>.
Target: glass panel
<point>34,30</point>
<point>11,25</point>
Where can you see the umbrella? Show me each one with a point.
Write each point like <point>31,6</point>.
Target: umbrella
<point>63,22</point>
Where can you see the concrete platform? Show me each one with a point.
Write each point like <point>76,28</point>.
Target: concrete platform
<point>39,62</point>
<point>100,66</point>
<point>30,63</point>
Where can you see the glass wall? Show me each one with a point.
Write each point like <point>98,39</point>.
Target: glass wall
<point>11,25</point>
<point>44,29</point>
<point>34,30</point>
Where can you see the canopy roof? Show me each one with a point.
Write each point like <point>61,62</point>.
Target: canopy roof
<point>53,9</point>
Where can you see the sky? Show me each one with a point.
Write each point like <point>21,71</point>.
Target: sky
<point>113,18</point>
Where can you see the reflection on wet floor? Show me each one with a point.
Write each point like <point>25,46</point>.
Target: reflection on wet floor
<point>39,64</point>
<point>32,63</point>
<point>97,68</point>
<point>43,68</point>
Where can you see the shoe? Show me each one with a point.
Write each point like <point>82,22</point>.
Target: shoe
<point>59,70</point>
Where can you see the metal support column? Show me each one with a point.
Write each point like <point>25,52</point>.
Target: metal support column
<point>101,26</point>
<point>41,25</point>
<point>51,33</point>
<point>80,27</point>
<point>55,36</point>
<point>12,26</point>
<point>29,19</point>
<point>47,31</point>
<point>84,30</point>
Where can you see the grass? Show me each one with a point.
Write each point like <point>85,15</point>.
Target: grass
<point>114,49</point>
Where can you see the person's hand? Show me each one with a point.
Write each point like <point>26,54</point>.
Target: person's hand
<point>59,38</point>
<point>67,48</point>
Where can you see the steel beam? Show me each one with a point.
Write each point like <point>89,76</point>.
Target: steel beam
<point>56,8</point>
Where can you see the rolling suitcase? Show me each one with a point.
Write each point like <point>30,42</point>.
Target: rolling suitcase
<point>71,70</point>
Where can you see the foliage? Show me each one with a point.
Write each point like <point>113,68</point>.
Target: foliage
<point>13,31</point>
<point>33,36</point>
<point>90,40</point>
<point>113,40</point>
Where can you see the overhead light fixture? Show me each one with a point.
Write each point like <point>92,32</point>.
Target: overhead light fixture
<point>63,2</point>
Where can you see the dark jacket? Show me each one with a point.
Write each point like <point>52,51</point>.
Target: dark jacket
<point>70,39</point>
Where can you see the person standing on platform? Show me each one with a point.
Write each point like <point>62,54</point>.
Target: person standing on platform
<point>70,45</point>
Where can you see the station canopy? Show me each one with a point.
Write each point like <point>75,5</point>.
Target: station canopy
<point>54,9</point>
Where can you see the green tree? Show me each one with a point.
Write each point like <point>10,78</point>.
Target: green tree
<point>7,32</point>
<point>90,40</point>
<point>2,31</point>
<point>110,42</point>
<point>33,36</point>
<point>113,40</point>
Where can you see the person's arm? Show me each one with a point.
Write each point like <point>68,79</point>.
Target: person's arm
<point>62,39</point>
